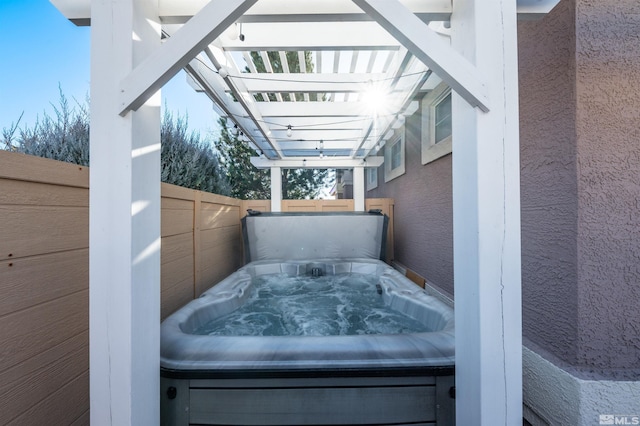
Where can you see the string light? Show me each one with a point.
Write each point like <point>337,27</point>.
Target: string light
<point>232,32</point>
<point>289,131</point>
<point>369,83</point>
<point>240,35</point>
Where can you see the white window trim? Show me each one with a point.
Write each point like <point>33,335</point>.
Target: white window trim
<point>372,178</point>
<point>390,174</point>
<point>430,150</point>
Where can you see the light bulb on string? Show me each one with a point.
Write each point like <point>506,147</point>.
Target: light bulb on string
<point>232,32</point>
<point>289,131</point>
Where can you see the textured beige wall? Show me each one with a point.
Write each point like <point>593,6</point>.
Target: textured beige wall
<point>608,148</point>
<point>423,213</point>
<point>549,205</point>
<point>580,181</point>
<point>580,139</point>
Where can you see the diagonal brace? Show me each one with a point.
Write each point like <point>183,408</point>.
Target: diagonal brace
<point>159,67</point>
<point>426,45</point>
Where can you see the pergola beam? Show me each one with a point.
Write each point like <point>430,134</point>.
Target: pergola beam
<point>306,133</point>
<point>214,89</point>
<point>317,163</point>
<point>248,103</point>
<point>308,83</point>
<point>410,88</point>
<point>156,70</point>
<point>318,36</point>
<point>180,11</point>
<point>312,145</point>
<point>319,122</point>
<point>427,46</point>
<point>315,109</point>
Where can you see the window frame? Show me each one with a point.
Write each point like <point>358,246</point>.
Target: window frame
<point>372,178</point>
<point>389,173</point>
<point>431,150</point>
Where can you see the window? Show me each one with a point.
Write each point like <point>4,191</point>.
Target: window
<point>372,178</point>
<point>442,124</point>
<point>436,123</point>
<point>394,156</point>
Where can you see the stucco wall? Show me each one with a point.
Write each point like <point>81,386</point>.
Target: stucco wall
<point>580,182</point>
<point>423,213</point>
<point>608,135</point>
<point>580,147</point>
<point>549,205</point>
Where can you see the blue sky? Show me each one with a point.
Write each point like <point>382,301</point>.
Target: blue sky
<point>40,51</point>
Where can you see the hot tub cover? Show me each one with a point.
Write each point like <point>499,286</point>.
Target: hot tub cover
<point>301,236</point>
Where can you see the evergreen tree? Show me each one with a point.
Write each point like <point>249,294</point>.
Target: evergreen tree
<point>64,137</point>
<point>186,160</point>
<point>300,184</point>
<point>250,183</point>
<point>246,181</point>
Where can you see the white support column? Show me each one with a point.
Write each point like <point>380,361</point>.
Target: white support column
<point>276,189</point>
<point>124,296</point>
<point>358,188</point>
<point>486,210</point>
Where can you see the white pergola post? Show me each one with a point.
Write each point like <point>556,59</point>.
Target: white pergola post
<point>276,189</point>
<point>486,210</point>
<point>124,237</point>
<point>358,188</point>
<point>483,70</point>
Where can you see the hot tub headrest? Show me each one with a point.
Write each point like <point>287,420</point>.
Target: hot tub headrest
<point>303,236</point>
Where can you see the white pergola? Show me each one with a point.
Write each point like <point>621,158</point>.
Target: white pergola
<point>299,80</point>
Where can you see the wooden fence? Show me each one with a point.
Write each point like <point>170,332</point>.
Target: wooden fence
<point>44,302</point>
<point>201,243</point>
<point>44,279</point>
<point>44,276</point>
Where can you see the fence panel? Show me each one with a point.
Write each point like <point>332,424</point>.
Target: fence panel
<point>44,279</point>
<point>44,275</point>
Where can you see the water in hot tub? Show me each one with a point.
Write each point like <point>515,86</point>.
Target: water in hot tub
<point>282,305</point>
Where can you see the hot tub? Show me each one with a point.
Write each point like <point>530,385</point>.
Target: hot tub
<point>404,378</point>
